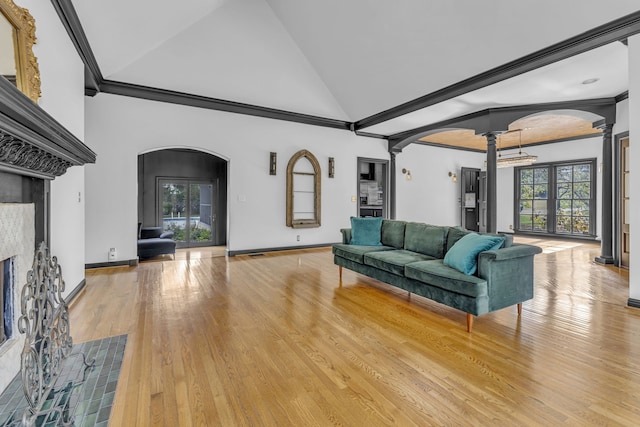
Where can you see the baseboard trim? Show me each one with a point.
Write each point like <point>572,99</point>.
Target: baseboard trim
<point>283,248</point>
<point>632,302</point>
<point>74,293</point>
<point>129,263</point>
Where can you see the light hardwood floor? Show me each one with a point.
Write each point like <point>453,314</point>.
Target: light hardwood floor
<point>274,340</point>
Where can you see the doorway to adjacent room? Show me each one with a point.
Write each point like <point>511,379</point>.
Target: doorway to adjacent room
<point>184,191</point>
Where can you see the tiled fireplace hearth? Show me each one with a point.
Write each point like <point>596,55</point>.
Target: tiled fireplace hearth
<point>17,244</point>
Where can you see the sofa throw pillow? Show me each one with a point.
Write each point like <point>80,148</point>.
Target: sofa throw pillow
<point>366,231</point>
<point>463,255</point>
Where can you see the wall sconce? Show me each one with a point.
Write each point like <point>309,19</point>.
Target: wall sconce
<point>272,163</point>
<point>332,167</point>
<point>453,176</point>
<point>407,172</point>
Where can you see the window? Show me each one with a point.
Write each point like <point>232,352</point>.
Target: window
<point>303,191</point>
<point>557,198</point>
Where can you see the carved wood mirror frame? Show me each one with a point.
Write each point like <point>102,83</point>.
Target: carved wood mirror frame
<point>317,177</point>
<point>27,70</point>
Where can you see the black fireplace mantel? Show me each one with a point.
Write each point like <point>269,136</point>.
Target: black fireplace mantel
<point>32,143</point>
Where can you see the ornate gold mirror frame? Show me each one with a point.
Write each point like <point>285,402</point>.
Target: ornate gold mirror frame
<point>24,26</point>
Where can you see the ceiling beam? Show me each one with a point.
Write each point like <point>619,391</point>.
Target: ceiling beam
<point>71,22</point>
<point>613,31</point>
<point>181,98</point>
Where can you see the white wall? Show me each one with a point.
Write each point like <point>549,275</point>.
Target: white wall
<point>634,162</point>
<point>571,150</point>
<point>62,84</point>
<point>431,196</point>
<point>120,128</point>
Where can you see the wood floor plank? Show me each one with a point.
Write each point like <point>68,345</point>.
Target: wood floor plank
<point>278,340</point>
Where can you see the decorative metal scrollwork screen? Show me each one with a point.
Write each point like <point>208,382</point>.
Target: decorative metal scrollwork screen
<point>45,322</point>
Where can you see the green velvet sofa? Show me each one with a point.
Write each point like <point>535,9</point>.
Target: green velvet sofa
<point>412,255</point>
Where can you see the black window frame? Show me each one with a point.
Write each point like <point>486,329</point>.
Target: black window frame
<point>552,168</point>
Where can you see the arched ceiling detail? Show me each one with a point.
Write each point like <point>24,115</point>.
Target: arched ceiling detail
<point>516,126</point>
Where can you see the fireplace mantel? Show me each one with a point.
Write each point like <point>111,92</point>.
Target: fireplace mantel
<point>32,143</point>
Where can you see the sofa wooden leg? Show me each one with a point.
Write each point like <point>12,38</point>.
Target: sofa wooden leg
<point>519,309</point>
<point>340,273</point>
<point>469,322</point>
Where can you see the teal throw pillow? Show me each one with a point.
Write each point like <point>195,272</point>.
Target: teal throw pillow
<point>463,255</point>
<point>366,231</point>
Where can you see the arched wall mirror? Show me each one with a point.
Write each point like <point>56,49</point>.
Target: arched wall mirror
<point>18,64</point>
<point>303,191</point>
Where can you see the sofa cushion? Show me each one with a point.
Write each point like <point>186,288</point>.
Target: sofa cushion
<point>426,239</point>
<point>457,233</point>
<point>366,231</point>
<point>463,256</point>
<point>437,274</point>
<point>393,261</point>
<point>150,232</point>
<point>356,253</point>
<point>149,248</point>
<point>393,233</point>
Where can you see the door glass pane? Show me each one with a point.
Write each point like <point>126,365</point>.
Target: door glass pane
<point>200,212</point>
<point>174,198</point>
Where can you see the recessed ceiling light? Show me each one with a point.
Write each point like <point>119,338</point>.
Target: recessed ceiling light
<point>590,81</point>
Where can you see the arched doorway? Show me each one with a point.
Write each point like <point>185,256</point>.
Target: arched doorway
<point>185,191</point>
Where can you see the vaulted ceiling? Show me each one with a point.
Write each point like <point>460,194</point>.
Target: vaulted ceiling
<point>352,60</point>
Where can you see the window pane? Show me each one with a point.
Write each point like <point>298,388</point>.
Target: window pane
<point>526,176</point>
<point>540,191</point>
<point>564,173</point>
<point>541,175</point>
<point>581,225</point>
<point>564,191</point>
<point>582,173</point>
<point>525,222</point>
<point>526,207</point>
<point>526,191</point>
<point>539,223</point>
<point>540,207</point>
<point>563,224</point>
<point>563,207</point>
<point>581,208</point>
<point>582,190</point>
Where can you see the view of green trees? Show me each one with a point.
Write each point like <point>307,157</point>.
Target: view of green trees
<point>572,198</point>
<point>174,203</point>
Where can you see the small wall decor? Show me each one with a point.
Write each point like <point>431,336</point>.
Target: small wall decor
<point>407,172</point>
<point>272,163</point>
<point>303,191</point>
<point>332,167</point>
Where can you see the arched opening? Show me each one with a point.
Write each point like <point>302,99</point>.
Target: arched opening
<point>184,191</point>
